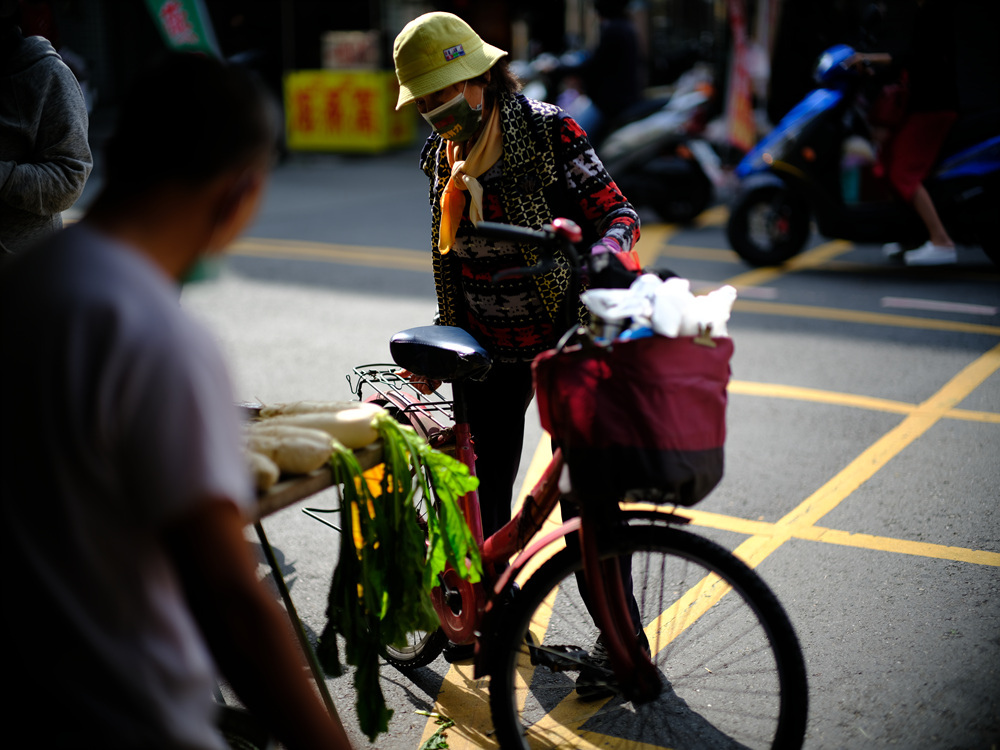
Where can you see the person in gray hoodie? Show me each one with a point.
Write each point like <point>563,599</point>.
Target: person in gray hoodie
<point>44,154</point>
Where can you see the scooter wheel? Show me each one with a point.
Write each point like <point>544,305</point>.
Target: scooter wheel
<point>768,225</point>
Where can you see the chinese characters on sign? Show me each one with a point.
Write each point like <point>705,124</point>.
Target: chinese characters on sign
<point>345,111</point>
<point>184,25</point>
<point>177,24</point>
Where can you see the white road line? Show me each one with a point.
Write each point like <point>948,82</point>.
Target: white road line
<point>699,286</point>
<point>757,292</point>
<point>907,303</point>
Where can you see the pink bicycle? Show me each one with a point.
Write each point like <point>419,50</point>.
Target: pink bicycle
<point>627,629</point>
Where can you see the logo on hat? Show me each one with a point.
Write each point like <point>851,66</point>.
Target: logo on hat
<point>452,52</point>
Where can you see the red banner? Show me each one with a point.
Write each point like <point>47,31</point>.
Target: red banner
<point>739,99</point>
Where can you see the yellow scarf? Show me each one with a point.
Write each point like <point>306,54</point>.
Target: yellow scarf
<point>484,154</point>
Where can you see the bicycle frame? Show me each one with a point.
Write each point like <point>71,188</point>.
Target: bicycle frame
<point>464,609</point>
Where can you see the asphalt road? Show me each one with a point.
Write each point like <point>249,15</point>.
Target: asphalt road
<point>863,457</point>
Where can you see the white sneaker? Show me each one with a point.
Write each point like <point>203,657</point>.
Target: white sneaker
<point>929,254</point>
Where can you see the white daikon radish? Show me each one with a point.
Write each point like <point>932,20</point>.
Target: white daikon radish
<point>269,427</point>
<point>265,472</point>
<point>305,407</point>
<point>350,427</point>
<point>292,454</point>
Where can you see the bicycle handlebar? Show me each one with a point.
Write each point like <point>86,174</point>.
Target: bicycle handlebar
<point>495,231</point>
<point>548,237</point>
<point>559,236</point>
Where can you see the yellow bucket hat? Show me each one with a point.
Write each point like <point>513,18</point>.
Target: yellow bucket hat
<point>435,50</point>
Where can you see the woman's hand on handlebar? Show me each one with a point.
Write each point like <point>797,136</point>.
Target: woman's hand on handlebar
<point>426,386</point>
<point>610,268</point>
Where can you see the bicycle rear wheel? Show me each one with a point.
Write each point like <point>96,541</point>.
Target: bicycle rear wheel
<point>422,647</point>
<point>731,668</point>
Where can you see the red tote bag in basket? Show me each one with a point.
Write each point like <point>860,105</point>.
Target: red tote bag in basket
<point>638,415</point>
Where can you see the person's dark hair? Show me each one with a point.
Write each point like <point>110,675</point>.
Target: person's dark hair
<point>10,12</point>
<point>611,8</point>
<point>188,119</point>
<point>502,81</point>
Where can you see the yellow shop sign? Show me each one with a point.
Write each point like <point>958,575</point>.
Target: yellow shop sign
<point>345,110</point>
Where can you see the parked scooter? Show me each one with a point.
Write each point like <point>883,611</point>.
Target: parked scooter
<point>661,158</point>
<point>656,150</point>
<point>795,173</point>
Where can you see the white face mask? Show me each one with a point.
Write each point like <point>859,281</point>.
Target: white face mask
<point>456,119</point>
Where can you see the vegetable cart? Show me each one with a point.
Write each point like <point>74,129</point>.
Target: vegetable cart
<point>285,494</point>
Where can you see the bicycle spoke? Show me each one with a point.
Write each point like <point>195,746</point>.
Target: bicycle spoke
<point>722,683</point>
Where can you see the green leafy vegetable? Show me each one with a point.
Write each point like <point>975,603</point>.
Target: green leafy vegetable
<point>438,740</point>
<point>388,562</point>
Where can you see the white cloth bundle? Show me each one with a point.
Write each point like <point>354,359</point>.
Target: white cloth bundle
<point>667,307</point>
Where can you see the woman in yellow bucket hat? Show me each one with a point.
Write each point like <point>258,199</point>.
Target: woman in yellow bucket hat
<point>498,156</point>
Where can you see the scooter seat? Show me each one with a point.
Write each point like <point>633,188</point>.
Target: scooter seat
<point>443,353</point>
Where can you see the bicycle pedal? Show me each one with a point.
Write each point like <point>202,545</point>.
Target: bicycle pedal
<point>557,658</point>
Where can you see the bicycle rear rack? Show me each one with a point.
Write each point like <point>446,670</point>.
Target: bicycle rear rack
<point>436,415</point>
<point>386,381</point>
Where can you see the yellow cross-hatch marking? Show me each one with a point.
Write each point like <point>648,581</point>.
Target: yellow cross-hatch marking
<point>765,538</point>
<point>799,393</point>
<point>866,318</point>
<point>472,716</point>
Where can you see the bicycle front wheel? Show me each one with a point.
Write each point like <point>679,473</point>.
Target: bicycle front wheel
<point>731,669</point>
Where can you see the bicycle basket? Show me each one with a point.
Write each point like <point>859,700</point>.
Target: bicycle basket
<point>647,415</point>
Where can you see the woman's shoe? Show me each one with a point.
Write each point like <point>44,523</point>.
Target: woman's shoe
<point>930,254</point>
<point>597,679</point>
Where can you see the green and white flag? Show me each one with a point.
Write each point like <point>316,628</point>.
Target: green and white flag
<point>185,25</point>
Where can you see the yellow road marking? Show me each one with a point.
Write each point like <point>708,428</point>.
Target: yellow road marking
<point>766,538</point>
<point>722,522</point>
<point>539,624</point>
<point>754,550</point>
<point>800,523</point>
<point>798,393</point>
<point>817,256</point>
<point>712,217</point>
<point>651,242</point>
<point>692,252</point>
<point>893,442</point>
<point>358,255</point>
<point>464,700</point>
<point>899,546</point>
<point>539,461</point>
<point>651,245</point>
<point>695,602</point>
<point>856,316</point>
<point>453,699</point>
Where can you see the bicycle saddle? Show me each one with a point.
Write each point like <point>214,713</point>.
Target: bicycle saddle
<point>440,353</point>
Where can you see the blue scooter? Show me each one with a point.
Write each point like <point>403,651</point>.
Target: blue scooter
<point>795,174</point>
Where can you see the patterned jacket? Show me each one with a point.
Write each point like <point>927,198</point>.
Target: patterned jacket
<point>548,169</point>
